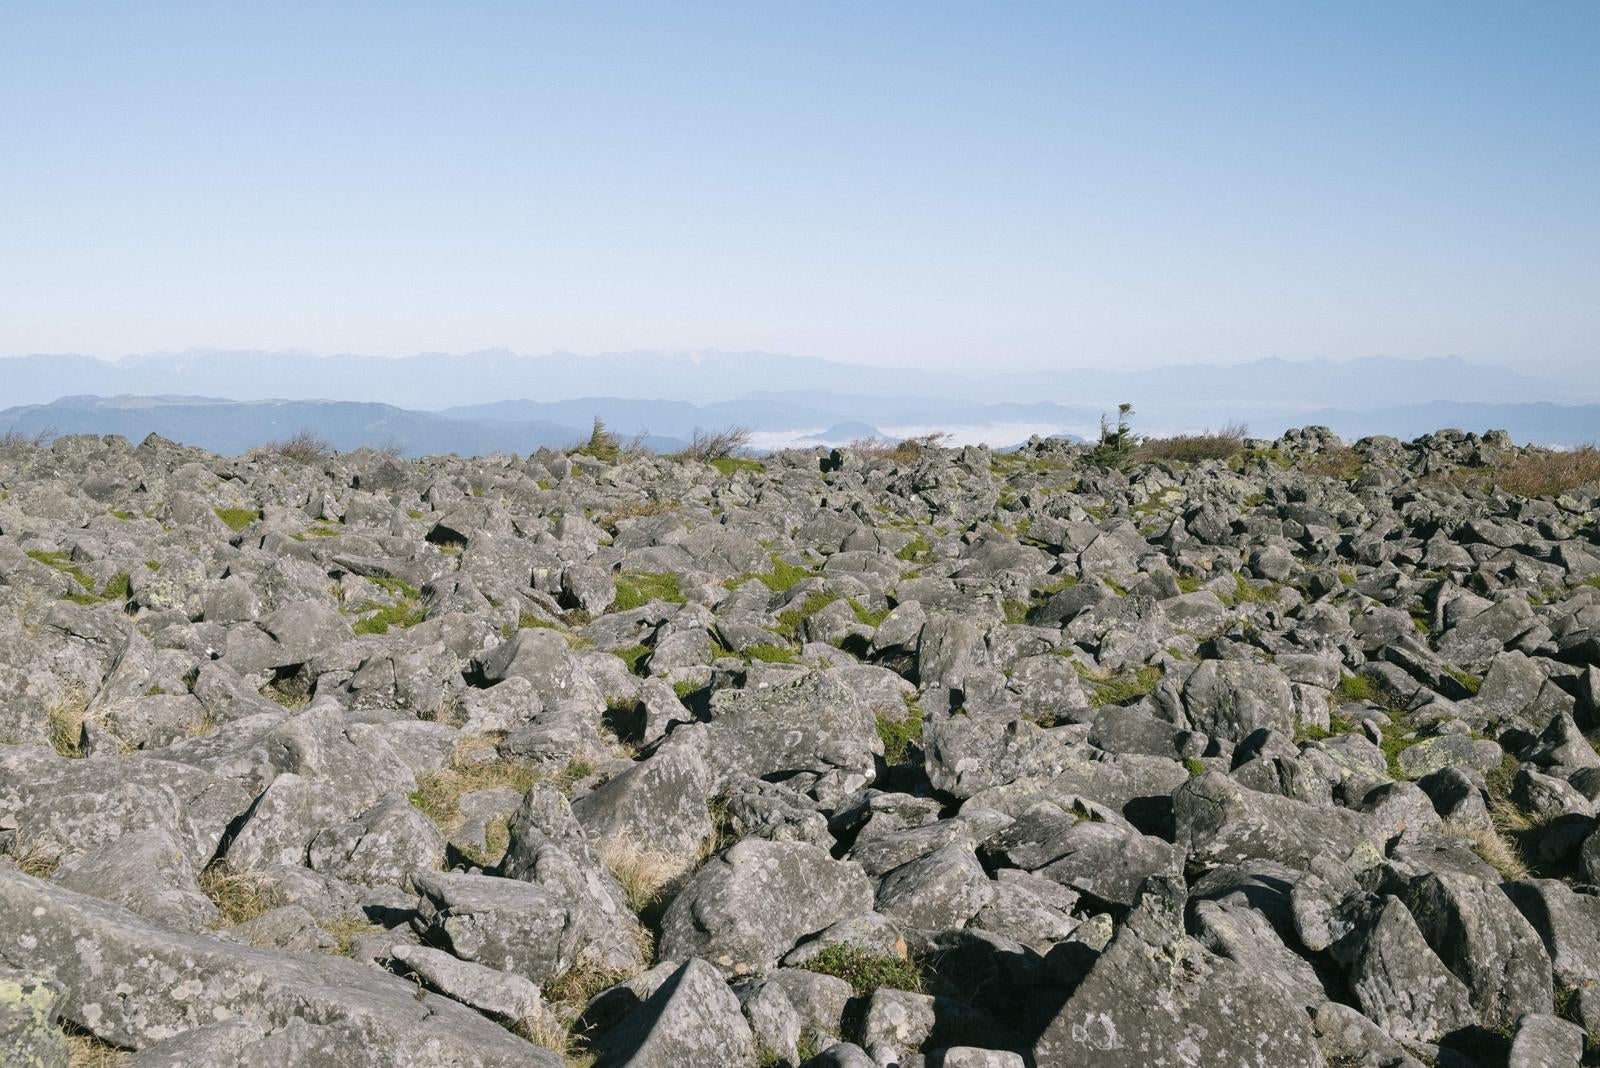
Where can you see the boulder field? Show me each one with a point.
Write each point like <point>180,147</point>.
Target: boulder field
<point>911,756</point>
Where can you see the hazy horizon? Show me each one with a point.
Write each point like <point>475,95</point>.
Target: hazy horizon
<point>1008,187</point>
<point>1583,374</point>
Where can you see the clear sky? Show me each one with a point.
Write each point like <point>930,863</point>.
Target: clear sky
<point>984,184</point>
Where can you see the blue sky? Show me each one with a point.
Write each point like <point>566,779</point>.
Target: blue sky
<point>1026,185</point>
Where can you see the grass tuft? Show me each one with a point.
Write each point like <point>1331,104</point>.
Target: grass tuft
<point>771,654</point>
<point>86,1051</point>
<point>237,518</point>
<point>1120,689</point>
<point>728,466</point>
<point>789,619</point>
<point>898,735</point>
<point>633,656</point>
<point>64,724</point>
<point>783,576</point>
<point>237,895</point>
<point>405,614</point>
<point>346,930</point>
<point>438,794</point>
<point>33,858</point>
<point>644,874</point>
<point>635,589</point>
<point>1494,848</point>
<point>915,549</point>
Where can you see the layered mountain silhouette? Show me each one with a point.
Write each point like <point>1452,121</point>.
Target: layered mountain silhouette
<point>500,401</point>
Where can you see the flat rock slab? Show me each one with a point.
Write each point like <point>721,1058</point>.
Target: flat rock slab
<point>133,983</point>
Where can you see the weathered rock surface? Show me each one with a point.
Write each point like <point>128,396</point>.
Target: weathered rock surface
<point>911,756</point>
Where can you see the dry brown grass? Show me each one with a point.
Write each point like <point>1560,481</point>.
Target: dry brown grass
<point>64,723</point>
<point>347,929</point>
<point>1343,463</point>
<point>635,510</point>
<point>438,795</point>
<point>1190,448</point>
<point>548,1031</point>
<point>1495,848</point>
<point>237,895</point>
<point>33,858</point>
<point>1549,473</point>
<point>86,1051</point>
<point>644,874</point>
<point>907,451</point>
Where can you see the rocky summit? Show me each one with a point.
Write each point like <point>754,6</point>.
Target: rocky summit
<point>892,755</point>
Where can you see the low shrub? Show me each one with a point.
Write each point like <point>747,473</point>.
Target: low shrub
<point>709,446</point>
<point>1548,473</point>
<point>303,447</point>
<point>1191,448</point>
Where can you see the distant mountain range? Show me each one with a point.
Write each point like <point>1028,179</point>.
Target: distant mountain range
<point>432,381</point>
<point>488,401</point>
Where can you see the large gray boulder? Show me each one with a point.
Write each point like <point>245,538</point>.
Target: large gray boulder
<point>146,872</point>
<point>1155,994</point>
<point>692,1018</point>
<point>816,723</point>
<point>1221,822</point>
<point>1482,938</point>
<point>504,924</point>
<point>1232,698</point>
<point>1396,978</point>
<point>133,983</point>
<point>749,906</point>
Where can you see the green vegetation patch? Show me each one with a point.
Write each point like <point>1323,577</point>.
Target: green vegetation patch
<point>1469,682</point>
<point>405,614</point>
<point>1062,582</point>
<point>237,518</point>
<point>864,971</point>
<point>115,589</point>
<point>635,589</point>
<point>1362,689</point>
<point>899,734</point>
<point>771,654</point>
<point>784,576</point>
<point>728,466</point>
<point>1245,593</point>
<point>915,549</point>
<point>1120,689</point>
<point>1315,732</point>
<point>789,619</point>
<point>633,656</point>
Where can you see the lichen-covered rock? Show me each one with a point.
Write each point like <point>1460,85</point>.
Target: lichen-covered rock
<point>504,924</point>
<point>170,981</point>
<point>28,1035</point>
<point>749,906</point>
<point>692,1018</point>
<point>1155,994</point>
